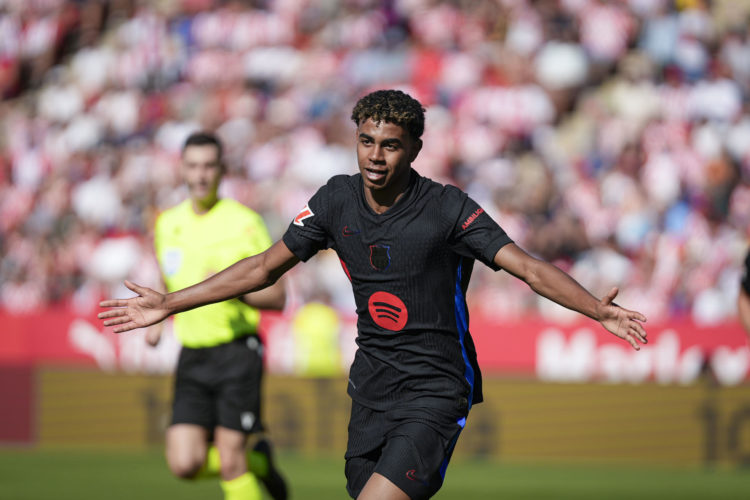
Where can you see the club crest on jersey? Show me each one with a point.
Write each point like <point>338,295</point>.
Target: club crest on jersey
<point>302,215</point>
<point>380,257</point>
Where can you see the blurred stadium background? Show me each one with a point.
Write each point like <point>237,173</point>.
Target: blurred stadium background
<point>609,137</point>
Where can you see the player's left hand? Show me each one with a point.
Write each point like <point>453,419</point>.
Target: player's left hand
<point>622,322</point>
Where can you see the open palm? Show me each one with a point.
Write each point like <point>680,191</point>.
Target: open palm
<point>128,314</point>
<point>622,322</point>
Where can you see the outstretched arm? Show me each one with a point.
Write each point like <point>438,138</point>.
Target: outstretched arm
<point>743,309</point>
<point>245,276</point>
<point>552,283</point>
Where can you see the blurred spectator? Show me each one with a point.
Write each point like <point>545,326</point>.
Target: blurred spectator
<point>612,138</point>
<point>316,327</point>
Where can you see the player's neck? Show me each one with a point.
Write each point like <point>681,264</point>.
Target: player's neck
<point>201,206</point>
<point>380,200</point>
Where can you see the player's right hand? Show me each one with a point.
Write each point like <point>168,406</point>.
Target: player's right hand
<point>147,309</point>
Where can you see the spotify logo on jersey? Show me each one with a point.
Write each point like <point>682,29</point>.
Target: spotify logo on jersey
<point>388,311</point>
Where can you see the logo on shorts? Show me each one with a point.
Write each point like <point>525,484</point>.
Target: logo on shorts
<point>254,344</point>
<point>411,474</point>
<point>247,419</point>
<point>388,311</point>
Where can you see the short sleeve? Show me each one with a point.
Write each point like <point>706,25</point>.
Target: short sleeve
<point>309,232</point>
<point>473,233</point>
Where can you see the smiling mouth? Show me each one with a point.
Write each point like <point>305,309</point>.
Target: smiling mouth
<point>375,175</point>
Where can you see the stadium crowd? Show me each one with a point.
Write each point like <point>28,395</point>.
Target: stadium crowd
<point>609,137</point>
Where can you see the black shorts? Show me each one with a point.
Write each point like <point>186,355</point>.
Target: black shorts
<point>411,447</point>
<point>220,386</point>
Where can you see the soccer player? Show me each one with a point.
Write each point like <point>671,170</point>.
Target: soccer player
<point>217,385</point>
<point>743,299</point>
<point>408,246</point>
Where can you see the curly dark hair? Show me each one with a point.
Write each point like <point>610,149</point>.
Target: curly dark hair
<point>392,106</point>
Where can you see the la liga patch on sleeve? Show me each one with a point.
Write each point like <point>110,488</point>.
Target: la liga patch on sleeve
<point>305,213</point>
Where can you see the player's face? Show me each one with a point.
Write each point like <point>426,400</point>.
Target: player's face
<point>202,170</point>
<point>384,153</point>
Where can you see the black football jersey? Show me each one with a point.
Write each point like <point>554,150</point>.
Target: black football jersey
<point>409,269</point>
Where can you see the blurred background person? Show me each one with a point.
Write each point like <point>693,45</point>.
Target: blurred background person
<point>217,392</point>
<point>316,329</point>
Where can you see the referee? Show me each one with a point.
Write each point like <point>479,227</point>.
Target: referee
<point>408,246</point>
<point>217,396</point>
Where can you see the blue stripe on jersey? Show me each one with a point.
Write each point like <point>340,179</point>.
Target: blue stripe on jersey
<point>462,324</point>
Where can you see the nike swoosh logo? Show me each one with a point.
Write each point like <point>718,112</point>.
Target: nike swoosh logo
<point>349,232</point>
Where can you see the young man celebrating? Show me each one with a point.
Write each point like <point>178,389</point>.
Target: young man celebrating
<point>217,386</point>
<point>408,246</point>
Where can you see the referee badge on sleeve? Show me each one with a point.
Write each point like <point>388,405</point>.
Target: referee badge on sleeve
<point>171,261</point>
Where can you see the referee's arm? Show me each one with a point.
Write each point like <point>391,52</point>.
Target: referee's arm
<point>272,298</point>
<point>245,276</point>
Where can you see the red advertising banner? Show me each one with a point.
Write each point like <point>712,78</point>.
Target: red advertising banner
<point>677,352</point>
<point>60,337</point>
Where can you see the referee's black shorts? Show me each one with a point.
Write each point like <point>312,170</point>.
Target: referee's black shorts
<point>220,386</point>
<point>411,447</point>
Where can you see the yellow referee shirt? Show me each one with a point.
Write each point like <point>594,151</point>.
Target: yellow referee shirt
<point>191,247</point>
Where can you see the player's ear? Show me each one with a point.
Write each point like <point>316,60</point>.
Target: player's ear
<point>416,148</point>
